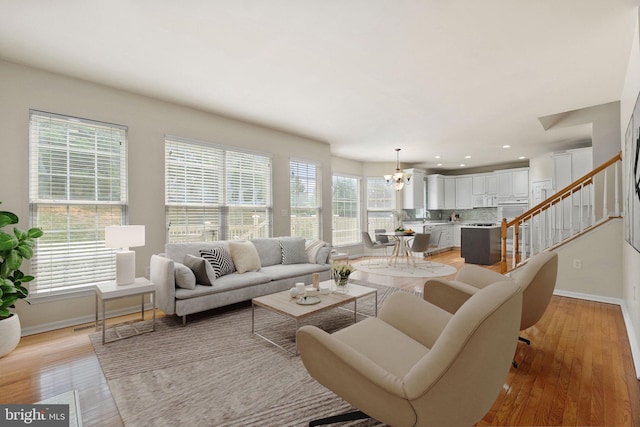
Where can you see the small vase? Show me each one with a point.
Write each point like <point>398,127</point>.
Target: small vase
<point>342,283</point>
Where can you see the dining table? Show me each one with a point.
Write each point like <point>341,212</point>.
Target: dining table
<point>400,248</point>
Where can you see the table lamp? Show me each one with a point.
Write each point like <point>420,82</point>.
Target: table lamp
<point>124,237</point>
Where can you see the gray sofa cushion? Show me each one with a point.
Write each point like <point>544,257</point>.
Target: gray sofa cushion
<point>225,283</point>
<point>293,251</point>
<point>205,275</point>
<point>269,251</point>
<point>278,272</point>
<point>185,278</point>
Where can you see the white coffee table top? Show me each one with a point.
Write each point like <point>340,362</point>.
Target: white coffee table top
<point>281,302</point>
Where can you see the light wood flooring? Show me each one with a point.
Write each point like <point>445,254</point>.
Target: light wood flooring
<point>577,371</point>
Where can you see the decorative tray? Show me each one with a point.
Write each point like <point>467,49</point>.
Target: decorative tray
<point>308,300</point>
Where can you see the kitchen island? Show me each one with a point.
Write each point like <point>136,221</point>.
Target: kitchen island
<point>480,244</point>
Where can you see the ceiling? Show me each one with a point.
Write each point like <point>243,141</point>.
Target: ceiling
<point>441,78</point>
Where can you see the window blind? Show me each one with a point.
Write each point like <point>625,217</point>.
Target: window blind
<point>77,187</point>
<point>215,192</point>
<point>345,204</point>
<point>306,200</point>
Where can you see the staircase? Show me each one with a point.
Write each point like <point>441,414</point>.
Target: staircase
<point>583,205</point>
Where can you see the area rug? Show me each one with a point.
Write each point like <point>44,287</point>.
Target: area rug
<point>435,269</point>
<point>215,372</point>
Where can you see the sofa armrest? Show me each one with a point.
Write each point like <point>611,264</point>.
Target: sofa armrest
<point>162,275</point>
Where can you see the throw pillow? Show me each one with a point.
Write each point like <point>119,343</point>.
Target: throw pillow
<point>220,260</point>
<point>201,269</point>
<point>293,251</point>
<point>245,256</point>
<point>185,278</point>
<point>312,247</point>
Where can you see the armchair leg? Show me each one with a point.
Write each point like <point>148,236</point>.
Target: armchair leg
<point>350,416</point>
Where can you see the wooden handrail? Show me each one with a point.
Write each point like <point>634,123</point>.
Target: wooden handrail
<point>556,198</point>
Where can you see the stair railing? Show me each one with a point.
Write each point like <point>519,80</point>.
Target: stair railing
<point>563,216</point>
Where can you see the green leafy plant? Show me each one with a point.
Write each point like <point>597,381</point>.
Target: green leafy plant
<point>14,248</point>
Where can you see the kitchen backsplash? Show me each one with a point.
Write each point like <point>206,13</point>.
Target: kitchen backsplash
<point>468,215</point>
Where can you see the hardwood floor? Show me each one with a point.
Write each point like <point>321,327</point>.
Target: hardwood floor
<point>577,371</point>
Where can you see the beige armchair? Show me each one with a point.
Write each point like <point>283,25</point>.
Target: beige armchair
<point>417,364</point>
<point>537,278</point>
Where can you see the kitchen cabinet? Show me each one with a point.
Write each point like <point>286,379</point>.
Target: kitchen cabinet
<point>513,184</point>
<point>463,189</point>
<point>414,192</point>
<point>435,193</point>
<point>449,192</point>
<point>485,190</point>
<point>457,230</point>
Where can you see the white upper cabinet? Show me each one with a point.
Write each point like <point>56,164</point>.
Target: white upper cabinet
<point>413,193</point>
<point>435,185</point>
<point>485,190</point>
<point>463,191</point>
<point>513,184</point>
<point>449,192</point>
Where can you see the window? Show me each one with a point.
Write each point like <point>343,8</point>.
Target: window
<point>346,210</point>
<point>215,193</point>
<point>77,187</point>
<point>381,205</point>
<point>305,199</point>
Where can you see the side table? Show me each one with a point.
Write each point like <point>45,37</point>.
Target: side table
<point>107,291</point>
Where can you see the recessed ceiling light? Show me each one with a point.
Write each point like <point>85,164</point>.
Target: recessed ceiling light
<point>462,165</point>
<point>522,157</point>
<point>506,146</point>
<point>467,157</point>
<point>437,157</point>
<point>439,164</point>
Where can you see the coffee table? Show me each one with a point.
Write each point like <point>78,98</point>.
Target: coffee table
<point>282,303</point>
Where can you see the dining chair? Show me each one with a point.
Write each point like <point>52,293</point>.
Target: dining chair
<point>370,244</point>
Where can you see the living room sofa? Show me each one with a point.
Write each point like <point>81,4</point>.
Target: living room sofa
<point>194,277</point>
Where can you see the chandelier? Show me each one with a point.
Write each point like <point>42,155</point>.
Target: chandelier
<point>398,179</point>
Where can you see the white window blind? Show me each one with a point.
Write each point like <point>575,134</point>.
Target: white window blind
<point>78,186</point>
<point>346,210</point>
<point>306,201</point>
<point>381,204</point>
<point>214,192</point>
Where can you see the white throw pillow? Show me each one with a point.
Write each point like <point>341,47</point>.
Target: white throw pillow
<point>312,247</point>
<point>185,278</point>
<point>245,256</point>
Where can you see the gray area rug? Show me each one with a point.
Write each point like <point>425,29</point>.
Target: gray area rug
<point>215,372</point>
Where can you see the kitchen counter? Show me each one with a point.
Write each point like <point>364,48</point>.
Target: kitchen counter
<point>480,244</point>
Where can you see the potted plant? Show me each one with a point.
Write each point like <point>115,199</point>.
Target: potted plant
<point>341,272</point>
<point>14,248</point>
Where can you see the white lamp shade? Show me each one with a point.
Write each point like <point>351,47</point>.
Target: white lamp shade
<point>124,236</point>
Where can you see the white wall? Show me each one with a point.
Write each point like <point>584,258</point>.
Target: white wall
<point>148,120</point>
<point>600,276</point>
<point>630,257</point>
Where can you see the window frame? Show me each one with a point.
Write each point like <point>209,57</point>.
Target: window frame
<point>358,211</point>
<point>213,216</point>
<point>77,160</point>
<point>313,207</point>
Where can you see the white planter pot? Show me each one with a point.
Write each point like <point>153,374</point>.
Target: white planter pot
<point>9,334</point>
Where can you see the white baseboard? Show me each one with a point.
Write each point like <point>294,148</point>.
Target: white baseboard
<point>631,333</point>
<point>89,318</point>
